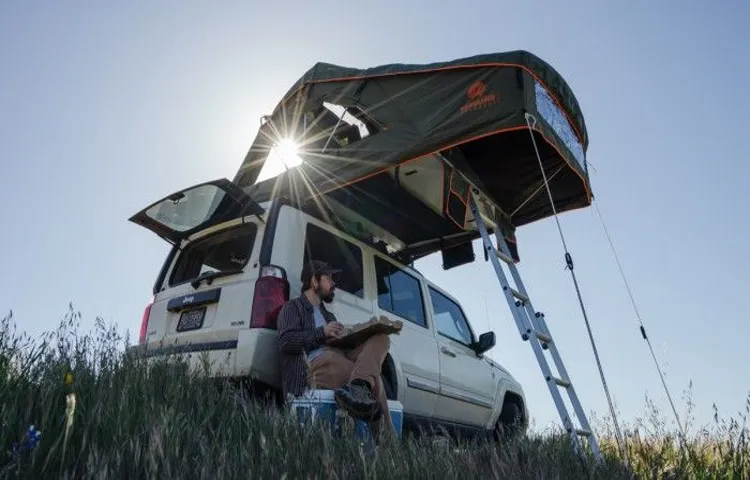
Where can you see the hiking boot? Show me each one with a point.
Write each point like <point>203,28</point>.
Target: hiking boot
<point>357,399</point>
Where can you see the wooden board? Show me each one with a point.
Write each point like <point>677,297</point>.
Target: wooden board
<point>357,334</point>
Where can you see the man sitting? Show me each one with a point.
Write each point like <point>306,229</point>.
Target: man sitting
<point>305,326</point>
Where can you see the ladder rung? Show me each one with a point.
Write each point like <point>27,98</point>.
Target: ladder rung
<point>559,381</point>
<point>583,433</point>
<point>543,337</point>
<point>519,295</point>
<point>504,257</point>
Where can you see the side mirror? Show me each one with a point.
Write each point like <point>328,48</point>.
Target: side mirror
<point>486,341</point>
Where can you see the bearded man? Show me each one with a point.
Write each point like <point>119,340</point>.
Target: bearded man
<point>305,326</point>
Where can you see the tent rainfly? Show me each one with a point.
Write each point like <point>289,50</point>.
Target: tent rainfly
<point>404,146</point>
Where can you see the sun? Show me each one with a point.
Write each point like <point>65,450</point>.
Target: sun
<point>283,156</point>
<point>288,150</point>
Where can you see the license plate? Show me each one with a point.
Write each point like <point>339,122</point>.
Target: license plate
<point>191,319</point>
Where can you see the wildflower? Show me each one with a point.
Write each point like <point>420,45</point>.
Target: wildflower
<point>70,408</point>
<point>30,440</point>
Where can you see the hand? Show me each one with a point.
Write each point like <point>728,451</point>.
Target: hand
<point>333,330</point>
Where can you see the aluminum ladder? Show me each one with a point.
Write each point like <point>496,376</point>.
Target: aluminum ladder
<point>533,327</point>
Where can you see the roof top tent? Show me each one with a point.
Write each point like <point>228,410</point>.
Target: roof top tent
<point>400,148</point>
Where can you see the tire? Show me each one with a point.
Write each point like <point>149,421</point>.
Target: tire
<point>510,422</point>
<point>389,390</point>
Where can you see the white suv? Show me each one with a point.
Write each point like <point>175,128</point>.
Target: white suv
<point>234,262</point>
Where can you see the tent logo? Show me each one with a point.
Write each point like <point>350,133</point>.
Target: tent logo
<point>478,97</point>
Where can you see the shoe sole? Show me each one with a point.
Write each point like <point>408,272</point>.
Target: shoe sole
<point>361,413</point>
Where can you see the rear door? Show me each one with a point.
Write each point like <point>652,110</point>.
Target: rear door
<point>400,297</point>
<point>205,295</point>
<point>299,238</point>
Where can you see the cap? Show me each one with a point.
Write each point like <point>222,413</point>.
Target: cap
<point>318,267</point>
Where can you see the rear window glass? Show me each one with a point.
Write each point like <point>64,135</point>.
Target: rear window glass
<point>220,252</point>
<point>188,209</point>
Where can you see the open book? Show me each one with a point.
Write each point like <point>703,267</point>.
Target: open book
<point>356,334</point>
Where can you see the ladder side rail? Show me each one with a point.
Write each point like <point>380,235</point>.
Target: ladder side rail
<point>521,320</point>
<point>537,319</point>
<point>573,395</point>
<point>521,288</point>
<point>554,390</point>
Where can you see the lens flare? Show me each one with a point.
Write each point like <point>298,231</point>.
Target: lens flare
<point>283,156</point>
<point>288,151</point>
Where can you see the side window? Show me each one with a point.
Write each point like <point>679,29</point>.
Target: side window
<point>449,320</point>
<point>399,292</point>
<point>322,245</point>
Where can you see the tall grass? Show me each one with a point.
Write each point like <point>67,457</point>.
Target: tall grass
<point>131,422</point>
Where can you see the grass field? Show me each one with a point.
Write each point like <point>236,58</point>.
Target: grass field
<point>115,420</point>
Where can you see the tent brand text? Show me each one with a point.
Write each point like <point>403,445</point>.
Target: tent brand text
<point>478,97</point>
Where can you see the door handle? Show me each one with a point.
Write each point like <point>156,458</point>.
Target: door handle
<point>448,351</point>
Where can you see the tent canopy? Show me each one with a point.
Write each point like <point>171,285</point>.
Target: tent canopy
<point>355,126</point>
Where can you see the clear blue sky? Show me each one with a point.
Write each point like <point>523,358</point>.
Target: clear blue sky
<point>104,109</point>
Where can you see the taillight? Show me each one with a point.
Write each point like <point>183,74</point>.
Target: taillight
<point>271,292</point>
<point>144,321</point>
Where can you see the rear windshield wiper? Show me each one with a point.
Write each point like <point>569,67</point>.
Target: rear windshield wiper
<point>209,277</point>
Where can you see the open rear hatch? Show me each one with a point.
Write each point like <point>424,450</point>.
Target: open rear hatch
<point>205,289</point>
<point>183,213</point>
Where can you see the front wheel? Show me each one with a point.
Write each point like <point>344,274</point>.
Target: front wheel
<point>389,390</point>
<point>510,422</point>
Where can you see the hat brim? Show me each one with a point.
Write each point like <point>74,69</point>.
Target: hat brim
<point>329,271</point>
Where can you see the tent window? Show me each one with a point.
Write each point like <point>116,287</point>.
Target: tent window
<point>346,116</point>
<point>556,119</point>
<point>349,125</point>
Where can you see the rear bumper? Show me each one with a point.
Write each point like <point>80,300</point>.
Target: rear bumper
<point>252,355</point>
<point>148,351</point>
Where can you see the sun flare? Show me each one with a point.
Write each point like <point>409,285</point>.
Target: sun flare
<point>288,150</point>
<point>283,156</point>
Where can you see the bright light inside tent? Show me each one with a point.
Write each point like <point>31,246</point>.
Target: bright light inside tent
<point>283,156</point>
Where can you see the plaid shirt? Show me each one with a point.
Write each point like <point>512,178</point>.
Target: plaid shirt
<point>298,335</point>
